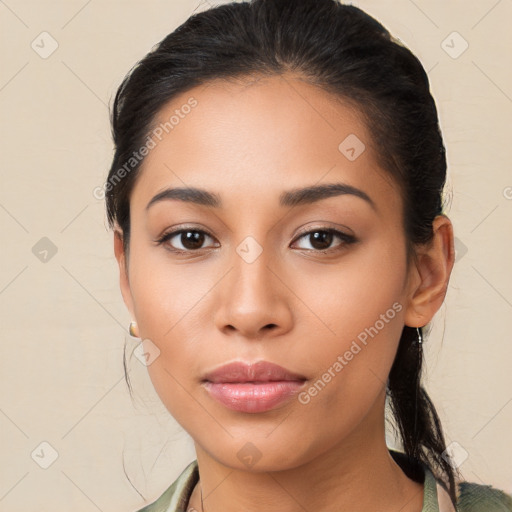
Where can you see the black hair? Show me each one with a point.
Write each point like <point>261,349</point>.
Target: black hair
<point>344,51</point>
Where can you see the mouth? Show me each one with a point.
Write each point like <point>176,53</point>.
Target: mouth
<point>252,388</point>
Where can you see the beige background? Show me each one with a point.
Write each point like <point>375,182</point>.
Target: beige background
<point>63,322</point>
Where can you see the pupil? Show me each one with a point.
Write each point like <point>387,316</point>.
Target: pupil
<point>321,239</point>
<point>192,239</point>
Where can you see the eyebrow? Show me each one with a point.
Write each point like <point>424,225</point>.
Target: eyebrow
<point>294,197</point>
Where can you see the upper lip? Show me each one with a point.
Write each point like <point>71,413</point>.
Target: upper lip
<point>260,371</point>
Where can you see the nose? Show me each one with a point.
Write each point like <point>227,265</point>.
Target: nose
<point>253,300</point>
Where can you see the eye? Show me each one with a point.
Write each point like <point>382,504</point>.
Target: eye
<point>321,239</point>
<point>192,240</point>
<point>185,240</point>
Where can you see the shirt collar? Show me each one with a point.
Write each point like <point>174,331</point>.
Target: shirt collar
<point>435,497</point>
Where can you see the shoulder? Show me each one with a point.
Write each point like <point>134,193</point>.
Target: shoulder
<point>175,498</point>
<point>473,497</point>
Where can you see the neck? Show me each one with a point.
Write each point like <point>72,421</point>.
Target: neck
<point>358,474</point>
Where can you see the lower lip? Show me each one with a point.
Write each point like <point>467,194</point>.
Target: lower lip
<point>253,396</point>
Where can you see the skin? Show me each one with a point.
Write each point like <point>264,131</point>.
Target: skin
<point>248,142</point>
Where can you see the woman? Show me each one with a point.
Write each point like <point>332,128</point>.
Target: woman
<point>276,199</point>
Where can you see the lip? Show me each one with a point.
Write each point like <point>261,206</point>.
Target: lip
<point>261,371</point>
<point>253,388</point>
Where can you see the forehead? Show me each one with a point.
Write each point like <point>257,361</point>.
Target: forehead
<point>260,135</point>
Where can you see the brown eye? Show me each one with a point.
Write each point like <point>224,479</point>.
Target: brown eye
<point>322,239</point>
<point>185,240</point>
<point>192,239</point>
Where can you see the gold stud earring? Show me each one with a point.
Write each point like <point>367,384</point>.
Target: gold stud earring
<point>133,330</point>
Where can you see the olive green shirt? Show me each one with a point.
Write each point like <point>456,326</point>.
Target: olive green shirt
<point>471,497</point>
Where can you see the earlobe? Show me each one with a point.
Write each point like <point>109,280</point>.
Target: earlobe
<point>124,282</point>
<point>432,270</point>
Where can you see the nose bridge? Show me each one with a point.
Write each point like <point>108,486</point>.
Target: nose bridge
<point>253,282</point>
<point>253,297</point>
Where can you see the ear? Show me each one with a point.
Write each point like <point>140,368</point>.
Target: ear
<point>430,274</point>
<point>123,271</point>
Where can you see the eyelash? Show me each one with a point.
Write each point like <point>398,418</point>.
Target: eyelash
<point>346,239</point>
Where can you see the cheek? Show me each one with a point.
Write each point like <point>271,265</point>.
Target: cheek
<point>164,299</point>
<point>363,292</point>
<point>361,306</point>
<point>165,293</point>
<point>352,364</point>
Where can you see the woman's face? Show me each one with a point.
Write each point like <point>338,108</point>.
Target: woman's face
<point>257,276</point>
